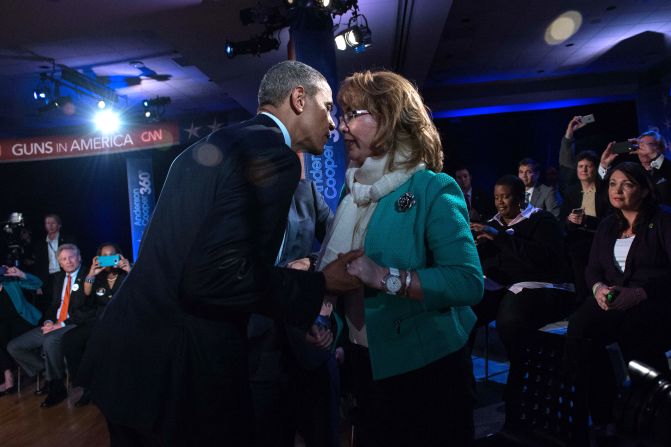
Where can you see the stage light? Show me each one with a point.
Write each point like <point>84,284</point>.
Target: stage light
<point>102,104</point>
<point>358,37</point>
<point>256,45</point>
<point>155,108</point>
<point>107,121</point>
<point>563,27</point>
<point>42,92</point>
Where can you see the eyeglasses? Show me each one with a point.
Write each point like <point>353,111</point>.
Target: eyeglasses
<point>349,116</point>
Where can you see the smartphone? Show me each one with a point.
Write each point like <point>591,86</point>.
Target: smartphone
<point>585,120</point>
<point>623,147</point>
<point>577,211</point>
<point>108,261</point>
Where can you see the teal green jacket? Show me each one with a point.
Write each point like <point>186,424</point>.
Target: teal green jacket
<point>405,334</point>
<point>27,311</point>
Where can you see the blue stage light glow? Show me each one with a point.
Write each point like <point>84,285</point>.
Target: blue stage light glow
<point>526,107</point>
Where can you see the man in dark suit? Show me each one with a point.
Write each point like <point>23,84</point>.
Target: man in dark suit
<point>68,308</point>
<point>167,362</point>
<point>536,193</point>
<point>480,204</point>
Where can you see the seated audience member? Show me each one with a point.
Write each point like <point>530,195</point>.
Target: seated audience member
<point>40,348</point>
<point>17,316</point>
<point>650,151</point>
<point>535,193</point>
<point>99,286</point>
<point>478,202</point>
<point>630,260</point>
<point>585,204</point>
<point>522,255</point>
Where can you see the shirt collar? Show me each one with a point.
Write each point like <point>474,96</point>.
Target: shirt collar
<point>525,214</point>
<point>58,235</point>
<point>657,162</point>
<point>283,128</point>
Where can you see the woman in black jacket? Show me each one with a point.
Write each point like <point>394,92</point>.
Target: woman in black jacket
<point>628,271</point>
<point>522,255</point>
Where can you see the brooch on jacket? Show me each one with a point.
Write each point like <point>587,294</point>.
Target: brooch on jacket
<point>405,202</point>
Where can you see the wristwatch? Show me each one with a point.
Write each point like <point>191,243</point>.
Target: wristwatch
<point>391,283</point>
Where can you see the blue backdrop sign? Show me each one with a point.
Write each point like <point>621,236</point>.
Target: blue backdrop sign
<point>312,36</point>
<point>140,198</point>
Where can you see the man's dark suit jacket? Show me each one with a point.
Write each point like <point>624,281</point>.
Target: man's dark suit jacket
<point>79,309</point>
<point>648,264</point>
<point>169,354</point>
<point>661,178</point>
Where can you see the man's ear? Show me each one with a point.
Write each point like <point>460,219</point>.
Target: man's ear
<point>297,99</point>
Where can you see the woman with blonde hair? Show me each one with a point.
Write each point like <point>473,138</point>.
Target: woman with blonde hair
<point>408,326</point>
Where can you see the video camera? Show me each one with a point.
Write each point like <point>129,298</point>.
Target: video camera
<point>11,238</point>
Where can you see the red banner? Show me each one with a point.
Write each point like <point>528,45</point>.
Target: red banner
<point>57,147</point>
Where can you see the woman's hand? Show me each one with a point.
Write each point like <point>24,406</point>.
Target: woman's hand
<point>15,272</point>
<point>628,298</point>
<point>123,264</point>
<point>573,125</point>
<point>484,231</point>
<point>367,271</point>
<point>95,267</point>
<point>576,218</point>
<point>607,157</point>
<point>600,295</point>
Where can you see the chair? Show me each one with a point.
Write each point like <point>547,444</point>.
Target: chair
<point>546,401</point>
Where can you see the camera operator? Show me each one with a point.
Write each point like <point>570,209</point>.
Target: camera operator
<point>17,316</point>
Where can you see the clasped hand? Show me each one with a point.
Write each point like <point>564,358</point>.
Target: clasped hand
<point>627,298</point>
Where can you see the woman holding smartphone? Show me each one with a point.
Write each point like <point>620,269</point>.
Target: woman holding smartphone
<point>102,281</point>
<point>585,203</point>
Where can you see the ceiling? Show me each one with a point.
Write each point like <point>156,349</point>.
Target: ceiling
<point>462,53</point>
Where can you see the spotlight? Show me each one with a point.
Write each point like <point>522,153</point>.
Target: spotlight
<point>42,92</point>
<point>357,36</point>
<point>102,104</point>
<point>155,108</point>
<point>256,45</point>
<point>107,121</point>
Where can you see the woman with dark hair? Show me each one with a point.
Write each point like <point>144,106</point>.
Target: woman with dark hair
<point>628,270</point>
<point>585,203</point>
<point>99,286</point>
<point>522,255</point>
<point>407,329</point>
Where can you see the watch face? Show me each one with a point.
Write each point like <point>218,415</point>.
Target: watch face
<point>393,284</point>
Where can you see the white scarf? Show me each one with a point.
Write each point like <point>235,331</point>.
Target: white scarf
<point>366,185</point>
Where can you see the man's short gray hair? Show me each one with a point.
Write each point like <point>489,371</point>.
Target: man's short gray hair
<point>282,78</point>
<point>62,247</point>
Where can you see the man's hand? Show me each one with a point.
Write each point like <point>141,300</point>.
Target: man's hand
<point>15,272</point>
<point>300,264</point>
<point>318,337</point>
<point>338,281</point>
<point>49,326</point>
